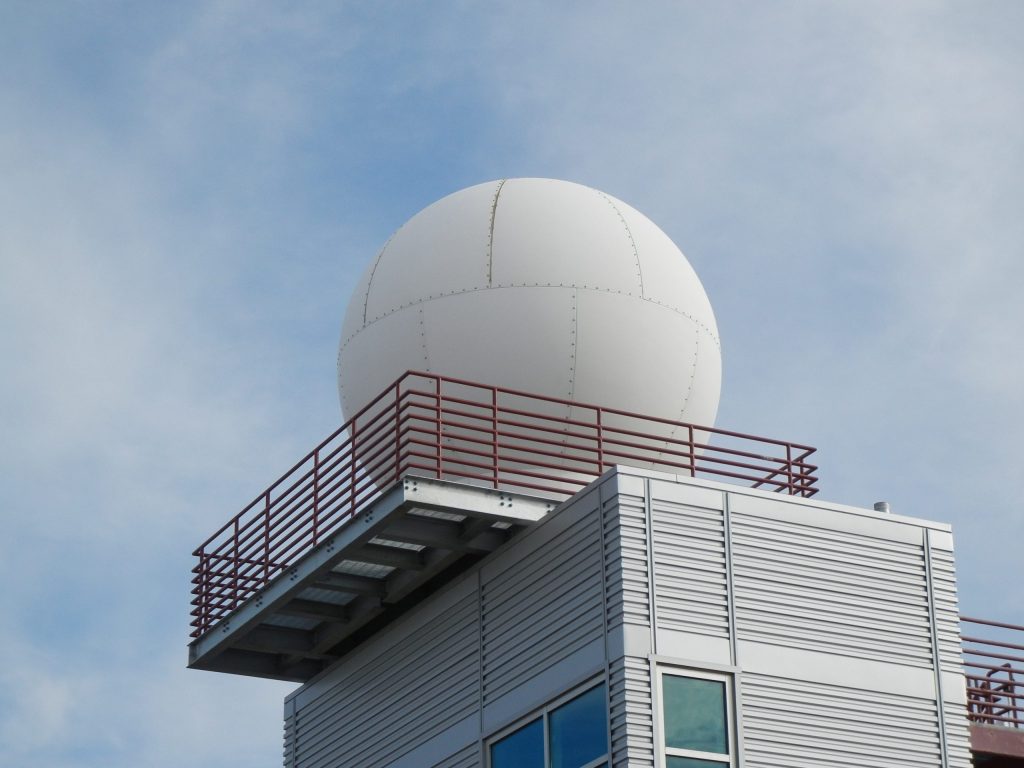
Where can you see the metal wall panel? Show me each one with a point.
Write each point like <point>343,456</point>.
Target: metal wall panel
<point>343,725</point>
<point>464,758</point>
<point>818,593</point>
<point>626,554</point>
<point>831,591</point>
<point>632,724</point>
<point>799,724</point>
<point>543,607</point>
<point>958,737</point>
<point>689,567</point>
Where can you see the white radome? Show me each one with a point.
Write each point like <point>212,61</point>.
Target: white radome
<point>539,285</point>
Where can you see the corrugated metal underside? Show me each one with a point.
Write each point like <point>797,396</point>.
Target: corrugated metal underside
<point>418,535</point>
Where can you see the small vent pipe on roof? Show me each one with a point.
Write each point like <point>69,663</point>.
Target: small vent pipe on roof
<point>882,506</point>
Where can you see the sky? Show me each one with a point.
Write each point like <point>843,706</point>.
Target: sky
<point>189,192</point>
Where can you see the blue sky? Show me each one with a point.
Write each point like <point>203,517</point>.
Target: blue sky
<point>188,193</point>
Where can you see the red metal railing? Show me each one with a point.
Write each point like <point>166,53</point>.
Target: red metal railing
<point>436,426</point>
<point>994,666</point>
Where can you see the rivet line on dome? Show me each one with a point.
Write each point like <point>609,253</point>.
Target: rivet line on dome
<point>490,233</point>
<point>373,271</point>
<point>572,345</point>
<point>461,291</point>
<point>632,242</point>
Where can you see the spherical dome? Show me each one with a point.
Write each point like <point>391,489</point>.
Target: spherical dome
<point>538,285</point>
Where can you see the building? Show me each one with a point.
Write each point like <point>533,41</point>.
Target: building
<point>649,618</point>
<point>529,575</point>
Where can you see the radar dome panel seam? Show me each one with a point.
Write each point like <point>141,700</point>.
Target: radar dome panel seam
<point>490,238</point>
<point>373,271</point>
<point>687,315</point>
<point>632,242</point>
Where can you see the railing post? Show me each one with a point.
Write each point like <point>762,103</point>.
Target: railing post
<point>316,496</point>
<point>693,451</point>
<point>398,429</point>
<point>352,469</point>
<point>600,441</point>
<point>494,435</point>
<point>266,538</point>
<point>789,469</point>
<point>439,415</point>
<point>234,567</point>
<point>204,592</point>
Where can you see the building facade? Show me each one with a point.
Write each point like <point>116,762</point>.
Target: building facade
<point>712,625</point>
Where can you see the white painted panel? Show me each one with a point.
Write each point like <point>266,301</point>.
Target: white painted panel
<point>668,281</point>
<point>693,648</point>
<point>561,234</point>
<point>638,334</point>
<point>362,356</point>
<point>795,664</point>
<point>689,495</point>
<point>542,321</point>
<point>428,257</point>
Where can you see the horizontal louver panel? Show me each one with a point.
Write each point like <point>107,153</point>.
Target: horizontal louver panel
<point>689,569</point>
<point>465,758</point>
<point>830,591</point>
<point>544,609</point>
<point>433,672</point>
<point>808,725</point>
<point>632,724</point>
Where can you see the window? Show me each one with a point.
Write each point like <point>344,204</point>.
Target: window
<point>570,733</point>
<point>696,717</point>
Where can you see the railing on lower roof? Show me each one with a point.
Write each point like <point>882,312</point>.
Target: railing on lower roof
<point>994,665</point>
<point>448,428</point>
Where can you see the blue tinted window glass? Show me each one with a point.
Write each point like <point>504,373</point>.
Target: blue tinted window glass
<point>695,715</point>
<point>579,730</point>
<point>692,762</point>
<point>522,749</point>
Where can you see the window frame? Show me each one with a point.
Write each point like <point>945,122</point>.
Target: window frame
<point>543,713</point>
<point>664,751</point>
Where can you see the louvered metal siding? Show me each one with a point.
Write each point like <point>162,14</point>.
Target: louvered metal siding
<point>544,607</point>
<point>834,620</point>
<point>689,563</point>
<point>432,672</point>
<point>626,556</point>
<point>632,725</point>
<point>799,724</point>
<point>830,591</point>
<point>464,758</point>
<point>508,636</point>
